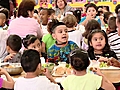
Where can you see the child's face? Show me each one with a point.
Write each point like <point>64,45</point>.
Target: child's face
<point>60,4</point>
<point>118,26</point>
<point>36,46</point>
<point>44,15</point>
<point>98,41</point>
<point>91,11</point>
<point>61,34</point>
<point>2,22</point>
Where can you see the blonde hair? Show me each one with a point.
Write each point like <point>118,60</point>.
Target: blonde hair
<point>70,20</point>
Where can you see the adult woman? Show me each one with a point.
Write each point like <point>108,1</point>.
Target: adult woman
<point>25,24</point>
<point>61,7</point>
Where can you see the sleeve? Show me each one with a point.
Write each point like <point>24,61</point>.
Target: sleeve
<point>53,86</point>
<point>64,83</point>
<point>82,19</point>
<point>1,81</point>
<point>50,53</point>
<point>44,38</point>
<point>98,81</point>
<point>74,46</point>
<point>113,54</point>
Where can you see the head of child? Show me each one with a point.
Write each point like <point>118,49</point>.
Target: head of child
<point>2,19</point>
<point>32,42</point>
<point>79,60</point>
<point>60,33</point>
<point>70,21</point>
<point>44,16</point>
<point>118,23</point>
<point>50,25</point>
<point>14,44</point>
<point>91,25</point>
<point>106,16</point>
<point>91,10</point>
<point>52,13</point>
<point>29,63</point>
<point>112,24</point>
<point>77,14</point>
<point>98,41</point>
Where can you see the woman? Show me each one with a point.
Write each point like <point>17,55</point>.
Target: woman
<point>61,7</point>
<point>25,24</point>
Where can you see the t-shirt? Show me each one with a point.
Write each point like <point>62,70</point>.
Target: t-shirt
<point>48,40</point>
<point>97,19</point>
<point>37,83</point>
<point>1,81</point>
<point>61,53</point>
<point>85,82</point>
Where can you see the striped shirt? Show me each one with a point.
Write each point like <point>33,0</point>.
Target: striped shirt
<point>114,42</point>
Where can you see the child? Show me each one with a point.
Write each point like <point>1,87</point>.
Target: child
<point>9,83</point>
<point>113,37</point>
<point>14,44</point>
<point>91,11</point>
<point>81,80</point>
<point>91,25</point>
<point>2,20</point>
<point>52,13</point>
<point>98,47</point>
<point>32,42</point>
<point>60,50</point>
<point>44,16</point>
<point>48,40</point>
<point>74,35</point>
<point>31,64</point>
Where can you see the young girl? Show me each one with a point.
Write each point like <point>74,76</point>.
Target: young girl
<point>98,47</point>
<point>81,80</point>
<point>60,50</point>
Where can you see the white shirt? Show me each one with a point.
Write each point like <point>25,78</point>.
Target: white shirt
<point>37,83</point>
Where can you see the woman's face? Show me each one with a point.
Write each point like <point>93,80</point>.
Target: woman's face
<point>60,4</point>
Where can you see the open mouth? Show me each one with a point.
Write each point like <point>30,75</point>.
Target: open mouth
<point>64,37</point>
<point>99,45</point>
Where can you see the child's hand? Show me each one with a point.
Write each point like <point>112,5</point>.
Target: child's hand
<point>9,57</point>
<point>3,71</point>
<point>47,73</point>
<point>89,17</point>
<point>113,62</point>
<point>97,71</point>
<point>103,59</point>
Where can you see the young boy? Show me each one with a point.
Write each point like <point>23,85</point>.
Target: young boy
<point>32,66</point>
<point>14,44</point>
<point>113,37</point>
<point>91,11</point>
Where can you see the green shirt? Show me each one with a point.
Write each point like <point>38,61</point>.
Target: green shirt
<point>85,82</point>
<point>48,40</point>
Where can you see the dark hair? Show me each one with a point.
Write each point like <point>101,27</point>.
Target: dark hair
<point>29,39</point>
<point>24,7</point>
<point>46,9</point>
<point>79,59</point>
<point>106,16</point>
<point>91,5</point>
<point>14,42</point>
<point>118,17</point>
<point>35,11</point>
<point>117,9</point>
<point>5,11</point>
<point>70,20</point>
<point>91,25</point>
<point>77,14</point>
<point>51,10</point>
<point>39,9</point>
<point>56,6</point>
<point>112,23</point>
<point>50,25</point>
<point>30,60</point>
<point>107,8</point>
<point>91,49</point>
<point>85,5</point>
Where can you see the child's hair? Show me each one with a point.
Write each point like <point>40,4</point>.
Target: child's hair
<point>117,9</point>
<point>29,39</point>
<point>77,14</point>
<point>112,23</point>
<point>91,25</point>
<point>46,9</point>
<point>51,10</point>
<point>2,16</point>
<point>35,11</point>
<point>53,24</point>
<point>90,48</point>
<point>39,9</point>
<point>107,8</point>
<point>91,5</point>
<point>30,60</point>
<point>106,16</point>
<point>5,11</point>
<point>79,59</point>
<point>14,42</point>
<point>70,20</point>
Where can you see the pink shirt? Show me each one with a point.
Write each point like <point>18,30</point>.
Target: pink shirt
<point>24,26</point>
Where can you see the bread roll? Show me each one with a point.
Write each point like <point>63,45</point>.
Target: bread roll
<point>59,71</point>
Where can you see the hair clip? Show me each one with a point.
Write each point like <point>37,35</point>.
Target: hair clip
<point>119,10</point>
<point>50,20</point>
<point>1,9</point>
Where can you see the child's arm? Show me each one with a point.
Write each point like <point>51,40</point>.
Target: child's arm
<point>106,84</point>
<point>9,83</point>
<point>9,57</point>
<point>49,76</point>
<point>43,47</point>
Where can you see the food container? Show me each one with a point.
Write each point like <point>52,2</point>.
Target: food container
<point>13,68</point>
